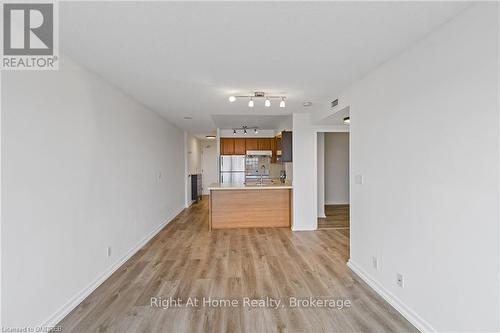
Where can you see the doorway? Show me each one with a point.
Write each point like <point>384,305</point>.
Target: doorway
<point>333,180</point>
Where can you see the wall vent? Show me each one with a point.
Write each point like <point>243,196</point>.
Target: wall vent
<point>335,103</point>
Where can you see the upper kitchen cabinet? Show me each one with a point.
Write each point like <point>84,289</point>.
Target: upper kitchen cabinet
<point>240,146</point>
<point>227,146</point>
<point>252,144</point>
<point>286,146</point>
<point>273,149</point>
<point>264,143</point>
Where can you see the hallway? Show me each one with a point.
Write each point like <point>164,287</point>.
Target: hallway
<point>337,217</point>
<point>186,260</point>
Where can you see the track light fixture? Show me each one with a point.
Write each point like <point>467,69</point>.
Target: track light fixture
<point>244,130</point>
<point>259,94</point>
<point>347,120</point>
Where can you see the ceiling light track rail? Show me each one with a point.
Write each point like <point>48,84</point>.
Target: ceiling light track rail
<point>245,129</point>
<point>260,94</point>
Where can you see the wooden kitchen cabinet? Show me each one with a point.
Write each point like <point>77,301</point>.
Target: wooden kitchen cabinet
<point>276,148</point>
<point>264,143</point>
<point>252,144</point>
<point>227,146</point>
<point>249,208</point>
<point>273,149</point>
<point>240,146</point>
<point>278,143</point>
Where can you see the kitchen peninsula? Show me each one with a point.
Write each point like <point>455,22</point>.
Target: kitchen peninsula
<point>250,206</point>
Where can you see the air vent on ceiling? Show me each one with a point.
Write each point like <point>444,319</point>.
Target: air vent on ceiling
<point>335,103</point>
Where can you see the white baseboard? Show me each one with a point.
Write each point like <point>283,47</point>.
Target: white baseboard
<point>323,216</point>
<point>336,203</point>
<point>79,297</point>
<point>304,228</point>
<point>396,303</point>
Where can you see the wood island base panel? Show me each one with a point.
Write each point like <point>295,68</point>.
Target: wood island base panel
<point>250,208</point>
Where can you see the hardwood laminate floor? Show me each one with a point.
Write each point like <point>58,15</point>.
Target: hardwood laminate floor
<point>185,261</point>
<point>337,217</point>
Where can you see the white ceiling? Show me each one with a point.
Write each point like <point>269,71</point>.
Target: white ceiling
<point>271,122</point>
<point>336,118</point>
<point>185,59</point>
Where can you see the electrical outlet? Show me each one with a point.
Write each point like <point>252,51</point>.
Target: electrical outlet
<point>108,251</point>
<point>375,262</point>
<point>400,280</point>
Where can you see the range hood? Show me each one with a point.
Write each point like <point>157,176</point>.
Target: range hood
<point>259,153</point>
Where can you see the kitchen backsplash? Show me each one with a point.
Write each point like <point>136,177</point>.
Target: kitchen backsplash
<point>275,169</point>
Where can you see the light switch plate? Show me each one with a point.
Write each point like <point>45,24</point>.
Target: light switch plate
<point>358,179</point>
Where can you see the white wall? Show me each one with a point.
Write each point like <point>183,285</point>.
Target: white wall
<point>305,170</point>
<point>336,168</point>
<point>424,134</point>
<point>209,164</point>
<point>193,150</point>
<point>193,162</point>
<point>321,174</point>
<point>288,170</point>
<point>83,167</point>
<point>286,124</point>
<point>305,194</point>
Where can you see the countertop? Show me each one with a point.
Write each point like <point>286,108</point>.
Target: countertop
<point>271,186</point>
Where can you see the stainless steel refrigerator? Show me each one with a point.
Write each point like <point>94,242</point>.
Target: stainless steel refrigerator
<point>232,169</point>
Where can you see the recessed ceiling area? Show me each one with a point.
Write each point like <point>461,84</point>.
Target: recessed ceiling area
<point>184,59</point>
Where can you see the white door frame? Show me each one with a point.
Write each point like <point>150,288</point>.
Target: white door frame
<point>326,129</point>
